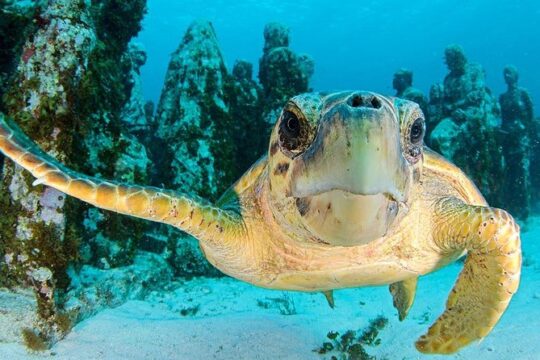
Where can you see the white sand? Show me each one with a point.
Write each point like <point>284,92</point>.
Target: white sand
<point>231,325</point>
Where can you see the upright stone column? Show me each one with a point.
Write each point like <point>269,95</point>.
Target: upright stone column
<point>193,127</point>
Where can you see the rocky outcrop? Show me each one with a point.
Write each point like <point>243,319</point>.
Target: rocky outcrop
<point>34,236</point>
<point>403,84</point>
<point>192,125</point>
<point>211,125</point>
<point>67,93</point>
<point>192,116</point>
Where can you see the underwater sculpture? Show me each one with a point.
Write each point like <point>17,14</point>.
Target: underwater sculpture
<point>461,106</point>
<point>403,84</point>
<point>282,72</point>
<point>517,139</point>
<point>319,212</point>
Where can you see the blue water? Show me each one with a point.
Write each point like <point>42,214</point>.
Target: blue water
<point>359,44</point>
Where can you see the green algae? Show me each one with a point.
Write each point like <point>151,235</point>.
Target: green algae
<point>33,341</point>
<point>351,345</point>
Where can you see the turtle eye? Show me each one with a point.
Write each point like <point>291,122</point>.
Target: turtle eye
<point>293,134</point>
<point>416,134</point>
<point>291,125</point>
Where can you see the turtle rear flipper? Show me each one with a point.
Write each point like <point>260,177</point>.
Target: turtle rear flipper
<point>197,217</point>
<point>403,293</point>
<point>488,281</point>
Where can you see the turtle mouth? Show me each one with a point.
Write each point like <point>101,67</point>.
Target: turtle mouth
<point>340,217</point>
<point>393,195</point>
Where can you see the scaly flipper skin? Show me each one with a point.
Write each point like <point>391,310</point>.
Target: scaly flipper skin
<point>488,280</point>
<point>197,217</point>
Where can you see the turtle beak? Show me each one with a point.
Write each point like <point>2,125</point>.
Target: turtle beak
<point>357,149</point>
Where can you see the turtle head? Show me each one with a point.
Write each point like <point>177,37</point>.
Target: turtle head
<point>341,166</point>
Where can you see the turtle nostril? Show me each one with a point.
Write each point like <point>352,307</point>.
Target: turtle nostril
<point>365,100</point>
<point>357,101</point>
<point>375,103</point>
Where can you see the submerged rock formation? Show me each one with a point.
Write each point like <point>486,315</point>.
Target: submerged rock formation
<point>282,72</point>
<point>466,120</point>
<point>518,136</point>
<point>35,233</point>
<point>193,127</point>
<point>67,93</point>
<point>192,116</point>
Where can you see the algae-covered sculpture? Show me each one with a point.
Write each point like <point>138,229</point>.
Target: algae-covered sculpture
<point>403,84</point>
<point>517,139</point>
<point>347,196</point>
<point>463,106</point>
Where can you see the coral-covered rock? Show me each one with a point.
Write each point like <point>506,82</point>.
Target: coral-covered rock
<point>134,114</point>
<point>443,137</point>
<point>51,67</point>
<point>193,130</point>
<point>96,289</point>
<point>16,24</point>
<point>435,110</point>
<point>192,116</point>
<point>68,93</point>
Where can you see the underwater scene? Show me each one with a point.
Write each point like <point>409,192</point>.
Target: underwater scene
<point>268,179</point>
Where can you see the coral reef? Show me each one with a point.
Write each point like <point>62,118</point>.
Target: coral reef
<point>95,289</point>
<point>494,142</point>
<point>192,116</point>
<point>465,120</point>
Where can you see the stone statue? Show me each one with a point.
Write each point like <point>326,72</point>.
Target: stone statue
<point>518,131</point>
<point>465,119</point>
<point>403,84</point>
<point>282,72</point>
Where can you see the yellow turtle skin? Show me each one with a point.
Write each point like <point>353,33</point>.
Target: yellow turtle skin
<point>347,196</point>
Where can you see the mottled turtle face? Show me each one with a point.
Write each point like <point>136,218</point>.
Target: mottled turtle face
<point>343,164</point>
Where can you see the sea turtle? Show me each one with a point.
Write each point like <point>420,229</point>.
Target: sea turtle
<point>347,196</point>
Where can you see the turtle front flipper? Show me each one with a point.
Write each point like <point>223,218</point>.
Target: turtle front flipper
<point>489,279</point>
<point>197,217</point>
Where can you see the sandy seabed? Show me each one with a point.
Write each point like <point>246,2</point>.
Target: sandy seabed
<point>234,320</point>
